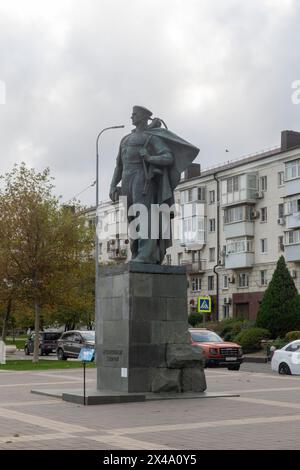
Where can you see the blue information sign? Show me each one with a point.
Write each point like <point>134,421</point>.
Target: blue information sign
<point>204,304</point>
<point>86,354</point>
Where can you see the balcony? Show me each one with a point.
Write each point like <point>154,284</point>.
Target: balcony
<point>239,189</point>
<point>293,220</point>
<point>239,260</point>
<point>117,255</point>
<point>292,187</point>
<point>193,267</point>
<point>292,252</point>
<point>292,245</point>
<point>239,229</point>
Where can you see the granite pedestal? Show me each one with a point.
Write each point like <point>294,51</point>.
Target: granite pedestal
<point>142,317</point>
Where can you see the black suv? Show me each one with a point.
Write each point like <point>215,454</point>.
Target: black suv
<point>71,342</point>
<point>48,342</point>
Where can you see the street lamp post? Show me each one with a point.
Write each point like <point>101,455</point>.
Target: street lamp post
<point>97,203</point>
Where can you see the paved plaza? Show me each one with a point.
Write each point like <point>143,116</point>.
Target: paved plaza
<point>266,415</point>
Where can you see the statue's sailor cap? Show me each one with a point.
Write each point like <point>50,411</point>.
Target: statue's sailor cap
<point>143,109</point>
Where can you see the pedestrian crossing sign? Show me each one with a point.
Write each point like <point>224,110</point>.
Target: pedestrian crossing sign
<point>204,304</point>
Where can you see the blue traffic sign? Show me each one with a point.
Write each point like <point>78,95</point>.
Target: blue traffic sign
<point>204,304</point>
<point>86,354</point>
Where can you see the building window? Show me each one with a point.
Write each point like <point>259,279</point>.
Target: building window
<point>280,178</point>
<point>211,282</point>
<point>264,214</point>
<point>292,170</point>
<point>239,245</point>
<point>179,258</point>
<point>225,281</point>
<point>233,184</point>
<point>225,311</point>
<point>293,206</point>
<point>212,254</point>
<point>211,197</point>
<point>263,278</point>
<point>292,237</point>
<point>196,284</point>
<point>243,280</point>
<point>263,245</point>
<point>169,259</point>
<point>212,225</point>
<point>280,210</point>
<point>280,243</point>
<point>263,183</point>
<point>201,194</point>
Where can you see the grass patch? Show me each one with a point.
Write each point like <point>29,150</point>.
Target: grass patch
<point>19,342</point>
<point>43,364</point>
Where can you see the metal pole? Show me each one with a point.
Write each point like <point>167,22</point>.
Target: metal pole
<point>84,383</point>
<point>97,280</point>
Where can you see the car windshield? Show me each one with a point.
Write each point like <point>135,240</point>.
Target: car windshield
<point>51,336</point>
<point>88,335</point>
<point>205,337</point>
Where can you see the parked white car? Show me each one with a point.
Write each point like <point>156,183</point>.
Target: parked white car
<point>287,360</point>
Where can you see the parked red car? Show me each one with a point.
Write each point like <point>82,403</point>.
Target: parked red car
<point>217,352</point>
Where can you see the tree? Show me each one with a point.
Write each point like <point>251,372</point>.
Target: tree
<point>279,311</point>
<point>44,242</point>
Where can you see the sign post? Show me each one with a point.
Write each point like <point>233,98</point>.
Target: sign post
<point>2,353</point>
<point>86,355</point>
<point>204,306</point>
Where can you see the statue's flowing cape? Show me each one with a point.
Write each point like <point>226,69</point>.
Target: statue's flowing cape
<point>184,154</point>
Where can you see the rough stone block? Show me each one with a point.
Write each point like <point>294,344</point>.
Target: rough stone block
<point>181,356</point>
<point>111,308</point>
<point>177,309</point>
<point>121,285</point>
<point>116,333</point>
<point>166,380</point>
<point>193,380</point>
<point>146,355</point>
<point>141,285</point>
<point>168,285</point>
<point>148,309</point>
<point>139,332</point>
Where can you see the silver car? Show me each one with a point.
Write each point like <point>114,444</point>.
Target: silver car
<point>71,342</point>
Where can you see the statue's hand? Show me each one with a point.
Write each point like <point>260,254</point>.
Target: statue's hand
<point>113,193</point>
<point>144,153</point>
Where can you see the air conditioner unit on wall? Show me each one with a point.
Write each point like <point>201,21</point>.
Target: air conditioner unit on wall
<point>259,194</point>
<point>255,214</point>
<point>231,279</point>
<point>281,221</point>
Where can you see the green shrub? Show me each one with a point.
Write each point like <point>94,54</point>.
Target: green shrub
<point>233,327</point>
<point>292,336</point>
<point>279,310</point>
<point>250,338</point>
<point>195,319</point>
<point>278,343</point>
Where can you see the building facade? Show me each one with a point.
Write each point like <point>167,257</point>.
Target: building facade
<point>236,220</point>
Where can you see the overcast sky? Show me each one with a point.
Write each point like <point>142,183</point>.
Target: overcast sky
<point>219,72</point>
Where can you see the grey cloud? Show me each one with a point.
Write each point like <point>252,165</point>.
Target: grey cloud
<point>218,72</point>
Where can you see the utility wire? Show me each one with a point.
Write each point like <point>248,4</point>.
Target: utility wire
<point>78,194</point>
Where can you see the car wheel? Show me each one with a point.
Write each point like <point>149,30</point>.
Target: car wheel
<point>60,355</point>
<point>234,367</point>
<point>284,369</point>
<point>26,351</point>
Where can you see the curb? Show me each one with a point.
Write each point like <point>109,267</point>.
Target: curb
<point>257,359</point>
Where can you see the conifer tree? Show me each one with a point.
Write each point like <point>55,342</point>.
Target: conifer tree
<point>279,311</point>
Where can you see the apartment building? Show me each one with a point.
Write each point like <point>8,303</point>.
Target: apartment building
<point>250,216</point>
<point>236,220</point>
